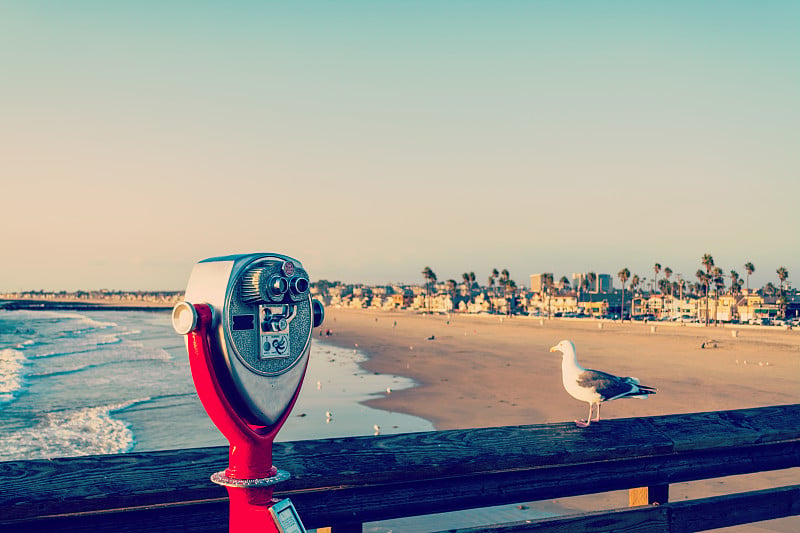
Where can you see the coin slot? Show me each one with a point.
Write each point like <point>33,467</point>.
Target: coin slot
<point>244,322</point>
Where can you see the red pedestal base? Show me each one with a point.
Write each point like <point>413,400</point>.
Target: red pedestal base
<point>250,475</point>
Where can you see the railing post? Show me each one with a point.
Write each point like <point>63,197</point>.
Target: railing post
<point>653,495</point>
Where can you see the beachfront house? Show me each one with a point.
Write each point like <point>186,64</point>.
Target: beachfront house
<point>595,308</point>
<point>754,308</point>
<point>435,303</point>
<point>402,299</point>
<point>553,304</point>
<point>725,308</point>
<point>720,309</point>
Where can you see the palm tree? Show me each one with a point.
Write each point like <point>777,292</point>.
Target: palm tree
<point>667,274</point>
<point>749,268</point>
<point>635,281</point>
<point>656,270</point>
<point>634,287</point>
<point>451,290</point>
<point>703,280</point>
<point>504,280</point>
<point>490,286</point>
<point>548,290</point>
<point>707,262</point>
<point>430,279</point>
<point>735,290</point>
<point>718,278</point>
<point>664,286</point>
<point>564,282</point>
<point>582,286</point>
<point>469,282</point>
<point>734,281</point>
<point>783,275</point>
<point>510,288</point>
<point>681,286</point>
<point>592,278</point>
<point>472,284</point>
<point>623,276</point>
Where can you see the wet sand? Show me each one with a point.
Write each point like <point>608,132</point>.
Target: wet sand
<point>479,371</point>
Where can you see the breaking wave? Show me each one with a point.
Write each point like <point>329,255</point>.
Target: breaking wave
<point>86,431</point>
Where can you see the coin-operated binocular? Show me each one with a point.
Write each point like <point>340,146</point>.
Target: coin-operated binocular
<point>248,322</point>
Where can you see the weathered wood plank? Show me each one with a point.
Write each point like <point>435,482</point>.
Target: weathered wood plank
<point>325,507</point>
<point>363,479</point>
<point>631,520</point>
<point>723,429</point>
<point>206,517</point>
<point>680,517</point>
<point>64,485</point>
<point>734,509</point>
<point>379,502</point>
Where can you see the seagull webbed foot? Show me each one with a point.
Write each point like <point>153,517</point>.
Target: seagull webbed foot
<point>583,423</point>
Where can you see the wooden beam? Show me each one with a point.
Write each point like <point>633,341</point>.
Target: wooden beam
<point>693,515</point>
<point>630,520</point>
<point>735,509</point>
<point>361,479</point>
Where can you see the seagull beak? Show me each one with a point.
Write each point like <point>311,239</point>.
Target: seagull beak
<point>554,348</point>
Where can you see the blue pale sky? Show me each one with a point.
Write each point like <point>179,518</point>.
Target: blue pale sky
<point>372,139</point>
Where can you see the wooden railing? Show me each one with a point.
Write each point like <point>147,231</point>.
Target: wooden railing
<point>343,483</point>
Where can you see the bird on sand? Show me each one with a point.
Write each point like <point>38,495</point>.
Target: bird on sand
<point>593,386</point>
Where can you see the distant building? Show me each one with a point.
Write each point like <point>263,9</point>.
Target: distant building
<point>602,282</point>
<point>538,281</point>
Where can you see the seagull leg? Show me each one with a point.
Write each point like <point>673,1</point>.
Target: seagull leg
<point>585,423</point>
<point>598,413</point>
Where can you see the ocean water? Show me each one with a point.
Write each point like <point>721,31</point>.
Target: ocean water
<point>94,382</point>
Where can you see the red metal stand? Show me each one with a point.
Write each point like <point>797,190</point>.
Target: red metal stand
<point>250,475</point>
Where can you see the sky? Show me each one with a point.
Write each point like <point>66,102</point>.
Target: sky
<point>372,139</point>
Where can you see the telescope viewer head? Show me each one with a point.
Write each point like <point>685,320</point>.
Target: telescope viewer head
<point>263,315</point>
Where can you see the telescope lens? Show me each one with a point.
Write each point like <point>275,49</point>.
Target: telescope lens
<point>299,285</point>
<point>277,287</point>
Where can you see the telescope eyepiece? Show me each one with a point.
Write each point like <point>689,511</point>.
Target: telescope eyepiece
<point>275,287</point>
<point>298,285</point>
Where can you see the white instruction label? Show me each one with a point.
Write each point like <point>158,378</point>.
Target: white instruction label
<point>275,345</point>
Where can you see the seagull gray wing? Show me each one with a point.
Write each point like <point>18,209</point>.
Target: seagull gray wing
<point>608,386</point>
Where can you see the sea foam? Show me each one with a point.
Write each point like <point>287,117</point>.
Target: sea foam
<point>87,431</point>
<point>11,362</point>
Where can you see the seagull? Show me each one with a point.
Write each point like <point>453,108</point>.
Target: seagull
<point>593,386</point>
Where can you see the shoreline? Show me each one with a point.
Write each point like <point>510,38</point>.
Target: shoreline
<point>81,305</point>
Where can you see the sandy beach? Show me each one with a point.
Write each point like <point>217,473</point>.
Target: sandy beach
<point>479,371</point>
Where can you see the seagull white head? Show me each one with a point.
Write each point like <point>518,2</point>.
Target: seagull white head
<point>565,347</point>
